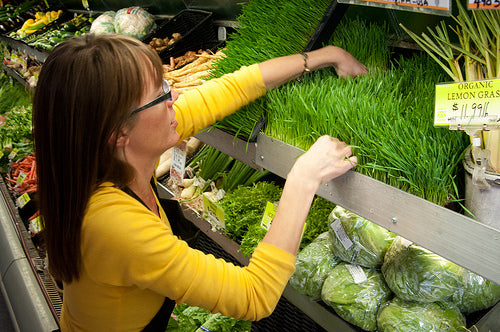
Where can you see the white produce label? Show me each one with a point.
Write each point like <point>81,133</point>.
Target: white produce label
<point>357,273</point>
<point>341,234</point>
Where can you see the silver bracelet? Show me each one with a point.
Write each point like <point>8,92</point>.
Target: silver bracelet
<point>306,68</point>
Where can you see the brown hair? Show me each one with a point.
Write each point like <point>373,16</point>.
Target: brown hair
<point>86,90</point>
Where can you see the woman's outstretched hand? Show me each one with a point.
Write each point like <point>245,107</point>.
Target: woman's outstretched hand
<point>346,65</point>
<point>325,160</point>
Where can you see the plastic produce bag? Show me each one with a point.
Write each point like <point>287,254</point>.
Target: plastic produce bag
<point>356,240</point>
<point>314,263</point>
<point>134,22</point>
<point>104,23</point>
<point>416,274</point>
<point>356,294</point>
<point>402,316</point>
<point>476,294</point>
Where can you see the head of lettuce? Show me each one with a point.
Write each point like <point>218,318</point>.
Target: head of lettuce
<point>400,315</point>
<point>314,263</point>
<point>356,240</point>
<point>416,274</point>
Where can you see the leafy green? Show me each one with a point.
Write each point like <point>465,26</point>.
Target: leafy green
<point>317,220</point>
<point>12,94</point>
<point>245,206</point>
<point>402,316</point>
<point>356,301</point>
<point>416,274</point>
<point>314,263</point>
<point>253,236</point>
<point>367,242</point>
<point>190,319</point>
<point>15,133</point>
<point>220,323</point>
<point>476,294</point>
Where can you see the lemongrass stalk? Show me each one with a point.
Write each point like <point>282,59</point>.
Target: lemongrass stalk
<point>428,46</point>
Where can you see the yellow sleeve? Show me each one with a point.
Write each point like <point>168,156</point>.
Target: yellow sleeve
<point>125,245</point>
<point>217,98</point>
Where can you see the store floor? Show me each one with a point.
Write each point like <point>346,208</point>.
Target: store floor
<point>5,320</point>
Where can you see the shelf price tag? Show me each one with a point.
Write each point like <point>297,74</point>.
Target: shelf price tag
<point>35,225</point>
<point>468,105</point>
<point>13,154</point>
<point>23,200</point>
<point>484,4</point>
<point>20,178</point>
<point>213,212</point>
<point>268,215</point>
<point>178,162</point>
<point>437,7</point>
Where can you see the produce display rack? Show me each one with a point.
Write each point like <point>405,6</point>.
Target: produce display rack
<point>24,48</point>
<point>454,236</point>
<point>460,239</point>
<point>14,74</point>
<point>31,295</point>
<point>294,310</point>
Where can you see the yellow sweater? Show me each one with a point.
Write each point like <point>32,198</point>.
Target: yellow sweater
<point>131,259</point>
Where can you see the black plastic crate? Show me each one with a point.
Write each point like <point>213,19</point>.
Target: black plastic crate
<point>197,32</point>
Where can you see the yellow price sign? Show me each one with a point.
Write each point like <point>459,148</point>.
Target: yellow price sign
<point>268,216</point>
<point>468,104</point>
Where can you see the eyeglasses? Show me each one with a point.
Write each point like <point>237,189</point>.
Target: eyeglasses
<point>167,95</point>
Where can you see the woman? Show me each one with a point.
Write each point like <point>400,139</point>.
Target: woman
<point>102,117</point>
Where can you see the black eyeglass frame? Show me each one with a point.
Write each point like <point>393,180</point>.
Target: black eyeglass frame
<point>167,95</point>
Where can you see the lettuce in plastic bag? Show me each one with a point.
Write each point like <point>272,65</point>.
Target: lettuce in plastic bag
<point>404,316</point>
<point>416,274</point>
<point>134,22</point>
<point>356,240</point>
<point>104,23</point>
<point>314,263</point>
<point>356,294</point>
<point>476,294</point>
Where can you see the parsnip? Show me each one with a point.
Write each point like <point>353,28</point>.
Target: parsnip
<point>163,168</point>
<point>188,192</point>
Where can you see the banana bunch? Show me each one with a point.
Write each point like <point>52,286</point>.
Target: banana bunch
<point>41,20</point>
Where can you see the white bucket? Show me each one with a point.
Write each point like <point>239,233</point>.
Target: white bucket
<point>484,204</point>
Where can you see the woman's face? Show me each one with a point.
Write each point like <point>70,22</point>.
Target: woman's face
<point>154,131</point>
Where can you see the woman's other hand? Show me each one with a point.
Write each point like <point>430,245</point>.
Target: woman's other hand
<point>325,160</point>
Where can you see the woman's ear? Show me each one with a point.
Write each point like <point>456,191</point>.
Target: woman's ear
<point>119,138</point>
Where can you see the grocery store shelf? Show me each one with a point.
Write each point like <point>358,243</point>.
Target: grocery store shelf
<point>25,297</point>
<point>227,244</point>
<point>13,73</point>
<point>23,48</point>
<point>322,316</point>
<point>458,238</point>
